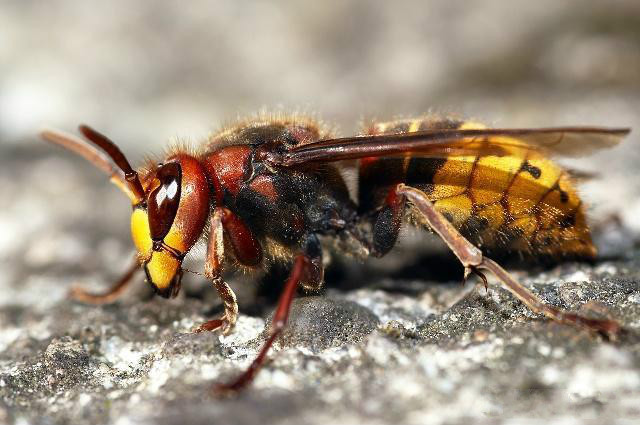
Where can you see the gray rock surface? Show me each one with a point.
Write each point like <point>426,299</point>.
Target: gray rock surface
<point>397,340</point>
<point>437,352</point>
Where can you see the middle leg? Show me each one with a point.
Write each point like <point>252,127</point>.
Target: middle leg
<point>307,272</point>
<point>277,326</point>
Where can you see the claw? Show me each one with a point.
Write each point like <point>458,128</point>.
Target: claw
<point>225,324</point>
<point>465,277</point>
<point>209,326</point>
<point>225,390</point>
<point>610,329</point>
<point>474,270</point>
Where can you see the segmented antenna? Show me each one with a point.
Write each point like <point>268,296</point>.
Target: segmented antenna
<point>110,148</point>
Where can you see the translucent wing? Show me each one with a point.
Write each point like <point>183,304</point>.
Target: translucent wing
<point>562,141</point>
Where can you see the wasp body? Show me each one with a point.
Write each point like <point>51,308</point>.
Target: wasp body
<point>272,190</point>
<point>501,203</point>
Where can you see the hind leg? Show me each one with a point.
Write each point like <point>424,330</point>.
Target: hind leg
<point>474,261</point>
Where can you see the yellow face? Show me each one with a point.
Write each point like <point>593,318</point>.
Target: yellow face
<point>162,266</point>
<point>169,220</point>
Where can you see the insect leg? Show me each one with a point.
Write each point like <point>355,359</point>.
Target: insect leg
<point>387,224</point>
<point>213,272</point>
<point>473,261</point>
<point>313,277</point>
<point>277,325</point>
<point>80,294</point>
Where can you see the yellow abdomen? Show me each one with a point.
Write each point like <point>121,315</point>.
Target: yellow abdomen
<point>500,203</point>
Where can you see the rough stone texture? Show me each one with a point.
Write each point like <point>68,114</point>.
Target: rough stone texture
<point>439,352</point>
<point>396,340</point>
<point>319,323</point>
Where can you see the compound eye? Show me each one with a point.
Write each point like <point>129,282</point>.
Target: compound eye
<point>163,201</point>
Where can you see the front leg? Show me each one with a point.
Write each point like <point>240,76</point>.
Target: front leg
<point>245,248</point>
<point>112,294</point>
<point>473,261</point>
<point>213,272</point>
<point>307,270</point>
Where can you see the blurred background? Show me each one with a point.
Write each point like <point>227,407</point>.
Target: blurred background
<point>147,72</point>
